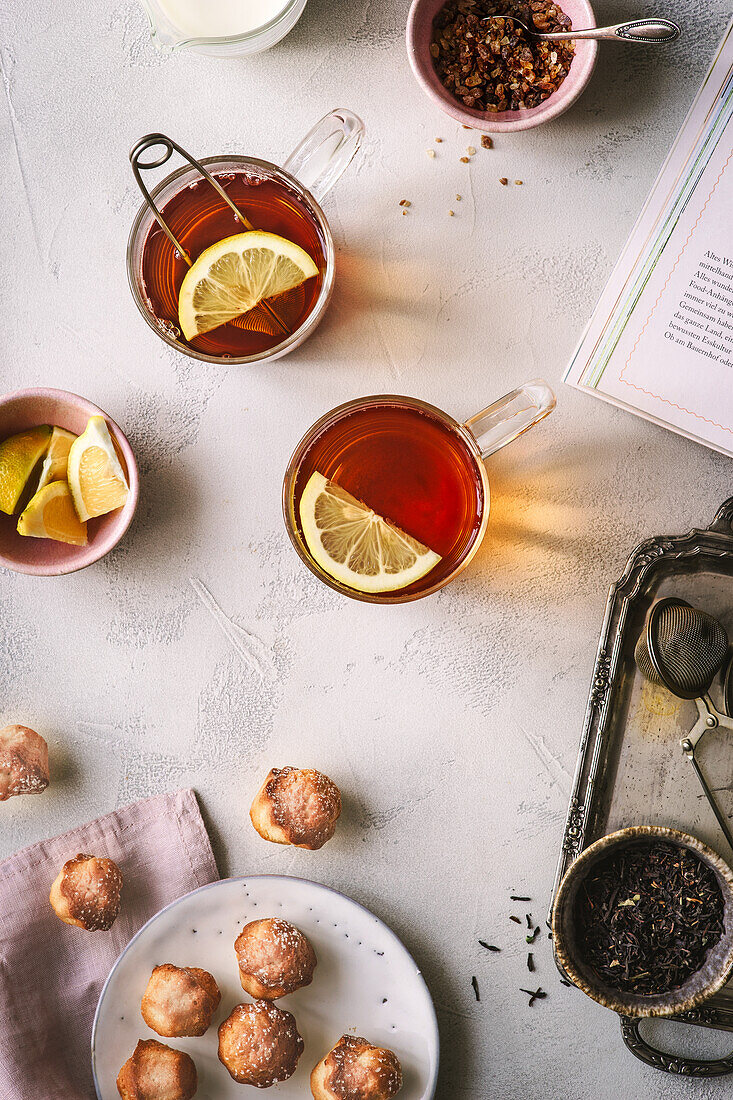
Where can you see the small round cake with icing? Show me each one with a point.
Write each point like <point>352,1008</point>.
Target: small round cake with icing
<point>180,1000</point>
<point>87,892</point>
<point>23,762</point>
<point>274,958</point>
<point>155,1071</point>
<point>259,1044</point>
<point>356,1070</point>
<point>298,806</point>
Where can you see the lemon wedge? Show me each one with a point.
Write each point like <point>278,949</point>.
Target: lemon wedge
<point>96,478</point>
<point>51,515</point>
<point>57,455</point>
<point>18,458</point>
<point>356,546</point>
<point>233,275</point>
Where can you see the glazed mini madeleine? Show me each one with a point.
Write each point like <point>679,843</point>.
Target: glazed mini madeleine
<point>155,1071</point>
<point>274,958</point>
<point>87,892</point>
<point>355,1069</point>
<point>180,1000</point>
<point>23,762</point>
<point>259,1044</point>
<point>297,806</point>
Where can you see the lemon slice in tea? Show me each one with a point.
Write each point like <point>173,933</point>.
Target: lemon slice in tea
<point>18,458</point>
<point>51,515</point>
<point>57,456</point>
<point>233,275</point>
<point>356,546</point>
<point>96,478</point>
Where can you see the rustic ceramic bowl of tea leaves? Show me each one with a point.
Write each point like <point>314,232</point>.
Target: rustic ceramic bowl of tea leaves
<point>569,940</point>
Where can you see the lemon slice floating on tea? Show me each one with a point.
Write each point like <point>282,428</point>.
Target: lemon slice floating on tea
<point>57,456</point>
<point>233,275</point>
<point>51,515</point>
<point>356,546</point>
<point>96,478</point>
<point>18,458</point>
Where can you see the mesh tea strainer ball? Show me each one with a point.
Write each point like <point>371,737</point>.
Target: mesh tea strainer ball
<point>681,648</point>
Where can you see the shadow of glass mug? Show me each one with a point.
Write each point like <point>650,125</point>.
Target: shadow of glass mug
<point>416,466</point>
<point>283,200</point>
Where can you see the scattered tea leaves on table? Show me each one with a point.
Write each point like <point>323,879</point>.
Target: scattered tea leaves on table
<point>534,994</point>
<point>489,946</point>
<point>530,922</point>
<point>515,919</point>
<point>474,983</point>
<point>530,962</point>
<point>533,935</point>
<point>519,897</point>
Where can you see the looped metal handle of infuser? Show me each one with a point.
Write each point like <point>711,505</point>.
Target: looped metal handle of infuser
<point>169,146</point>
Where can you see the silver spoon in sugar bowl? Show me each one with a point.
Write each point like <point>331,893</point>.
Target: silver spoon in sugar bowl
<point>648,31</point>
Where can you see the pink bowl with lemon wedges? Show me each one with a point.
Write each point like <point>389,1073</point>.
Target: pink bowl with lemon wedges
<point>419,36</point>
<point>29,408</point>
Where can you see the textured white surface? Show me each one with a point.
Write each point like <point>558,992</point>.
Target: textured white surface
<point>450,724</point>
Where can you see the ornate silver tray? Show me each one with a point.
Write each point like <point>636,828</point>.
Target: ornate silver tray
<point>631,769</point>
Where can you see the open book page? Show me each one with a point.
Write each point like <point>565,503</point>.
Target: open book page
<point>660,341</point>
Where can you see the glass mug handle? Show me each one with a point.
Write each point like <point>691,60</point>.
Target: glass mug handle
<point>326,151</point>
<point>511,415</point>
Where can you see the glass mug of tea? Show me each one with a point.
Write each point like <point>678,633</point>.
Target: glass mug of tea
<point>386,498</point>
<point>283,201</point>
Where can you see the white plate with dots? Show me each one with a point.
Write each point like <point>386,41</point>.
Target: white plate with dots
<point>365,983</point>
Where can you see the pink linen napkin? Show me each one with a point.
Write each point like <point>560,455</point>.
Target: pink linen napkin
<point>51,974</point>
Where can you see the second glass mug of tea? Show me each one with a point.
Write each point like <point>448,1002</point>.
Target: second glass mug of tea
<point>282,200</point>
<point>416,467</point>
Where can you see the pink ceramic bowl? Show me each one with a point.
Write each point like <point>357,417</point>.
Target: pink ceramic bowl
<point>43,557</point>
<point>419,34</point>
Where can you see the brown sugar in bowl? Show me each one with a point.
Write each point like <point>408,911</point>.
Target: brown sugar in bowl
<point>419,37</point>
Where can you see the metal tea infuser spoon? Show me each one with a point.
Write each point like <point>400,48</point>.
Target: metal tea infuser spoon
<point>139,165</point>
<point>683,649</point>
<point>648,31</point>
